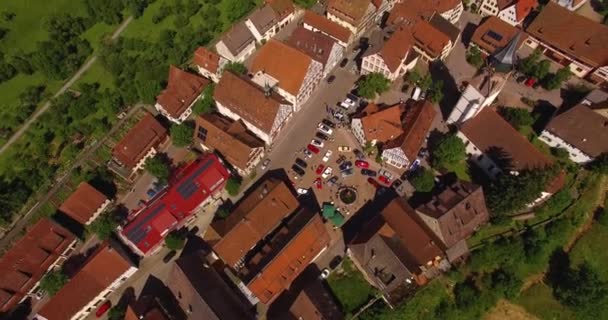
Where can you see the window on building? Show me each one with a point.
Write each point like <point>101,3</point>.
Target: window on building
<point>202,133</point>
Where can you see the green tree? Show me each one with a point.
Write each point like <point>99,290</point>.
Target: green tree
<point>206,104</point>
<point>373,84</point>
<point>560,153</point>
<point>528,64</point>
<point>435,93</point>
<point>449,150</point>
<point>158,167</point>
<point>541,70</point>
<point>175,240</point>
<point>117,312</point>
<point>423,82</point>
<point>104,225</point>
<point>222,213</point>
<point>580,288</point>
<point>233,185</point>
<point>517,117</point>
<point>236,67</point>
<point>505,283</point>
<point>182,135</point>
<point>236,9</point>
<point>423,180</point>
<point>600,164</point>
<point>474,57</point>
<point>8,16</point>
<point>555,81</point>
<point>53,281</point>
<point>465,293</point>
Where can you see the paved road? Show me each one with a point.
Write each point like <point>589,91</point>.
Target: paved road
<point>84,68</point>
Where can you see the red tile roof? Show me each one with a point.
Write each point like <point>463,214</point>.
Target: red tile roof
<point>83,203</point>
<point>327,26</point>
<point>182,89</point>
<point>485,34</point>
<point>284,63</point>
<point>283,8</point>
<point>206,59</point>
<point>429,39</point>
<point>351,11</point>
<point>396,49</point>
<point>524,7</point>
<point>316,45</point>
<point>417,120</point>
<point>146,134</point>
<point>104,267</point>
<point>382,125</point>
<point>187,190</point>
<point>412,11</point>
<point>28,259</point>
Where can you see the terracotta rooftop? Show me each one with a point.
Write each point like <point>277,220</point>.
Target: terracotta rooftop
<point>146,134</point>
<point>412,11</point>
<point>572,34</point>
<point>524,7</point>
<point>315,44</point>
<point>446,27</point>
<point>582,128</point>
<point>351,11</point>
<point>228,137</point>
<point>327,26</point>
<point>396,49</point>
<point>28,259</point>
<point>417,119</point>
<point>207,59</point>
<point>263,18</point>
<point>248,100</point>
<point>82,204</point>
<point>254,217</point>
<point>284,63</point>
<point>283,8</point>
<point>315,302</point>
<point>238,38</point>
<point>493,33</point>
<point>382,125</point>
<point>105,266</point>
<point>182,90</point>
<point>429,39</point>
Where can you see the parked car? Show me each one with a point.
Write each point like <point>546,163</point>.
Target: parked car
<point>347,173</point>
<point>317,143</point>
<point>265,164</point>
<point>320,169</point>
<point>343,63</point>
<point>318,184</point>
<point>340,159</point>
<point>103,309</point>
<point>301,163</point>
<point>325,129</point>
<point>344,148</point>
<point>169,256</point>
<point>312,149</point>
<point>362,164</point>
<point>327,155</point>
<point>325,273</point>
<point>339,115</point>
<point>321,136</point>
<point>328,123</point>
<point>373,182</point>
<point>369,173</point>
<point>307,153</point>
<point>360,155</point>
<point>347,103</point>
<point>385,173</point>
<point>414,166</point>
<point>151,193</point>
<point>530,82</point>
<point>416,93</point>
<point>328,171</point>
<point>423,153</point>
<point>346,165</point>
<point>331,79</point>
<point>302,191</point>
<point>335,262</point>
<point>332,181</point>
<point>384,179</point>
<point>299,171</point>
<point>397,184</point>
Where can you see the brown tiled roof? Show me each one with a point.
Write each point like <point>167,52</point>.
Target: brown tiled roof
<point>444,26</point>
<point>429,39</point>
<point>207,59</point>
<point>383,125</point>
<point>146,134</point>
<point>104,267</point>
<point>572,34</point>
<point>502,4</point>
<point>283,8</point>
<point>583,128</point>
<point>228,137</point>
<point>315,302</point>
<point>524,7</point>
<point>396,49</point>
<point>315,44</point>
<point>331,28</point>
<point>247,99</point>
<point>493,33</point>
<point>458,211</point>
<point>351,11</point>
<point>256,215</point>
<point>237,38</point>
<point>28,259</point>
<point>496,138</point>
<point>263,18</point>
<point>83,203</point>
<point>412,11</point>
<point>417,120</point>
<point>284,63</point>
<point>293,257</point>
<point>182,89</point>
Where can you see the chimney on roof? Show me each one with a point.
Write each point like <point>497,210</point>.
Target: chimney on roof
<point>267,90</point>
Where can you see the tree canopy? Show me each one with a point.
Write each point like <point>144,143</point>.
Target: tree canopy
<point>206,104</point>
<point>600,164</point>
<point>449,150</point>
<point>53,281</point>
<point>158,166</point>
<point>104,225</point>
<point>233,185</point>
<point>182,135</point>
<point>236,67</point>
<point>517,117</point>
<point>423,180</point>
<point>373,84</point>
<point>175,240</point>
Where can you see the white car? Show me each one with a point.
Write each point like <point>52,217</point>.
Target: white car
<point>317,143</point>
<point>307,153</point>
<point>386,173</point>
<point>344,148</point>
<point>339,115</point>
<point>328,171</point>
<point>302,191</point>
<point>325,273</point>
<point>325,129</point>
<point>347,103</point>
<point>327,155</point>
<point>265,164</point>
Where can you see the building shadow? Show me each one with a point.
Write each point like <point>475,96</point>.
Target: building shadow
<point>500,157</point>
<point>367,212</point>
<point>467,33</point>
<point>451,94</point>
<point>544,112</point>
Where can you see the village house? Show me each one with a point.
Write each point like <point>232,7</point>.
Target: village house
<point>182,92</point>
<point>393,59</point>
<point>408,12</point>
<point>354,15</point>
<point>580,131</point>
<point>237,44</point>
<point>597,100</point>
<point>313,302</point>
<point>231,139</point>
<point>263,111</point>
<point>141,143</point>
<point>209,64</point>
<point>263,23</point>
<point>318,23</point>
<point>375,125</point>
<point>108,267</point>
<point>85,204</point>
<point>572,41</point>
<point>512,12</point>
<point>494,34</point>
<point>317,46</point>
<point>284,10</point>
<point>43,247</point>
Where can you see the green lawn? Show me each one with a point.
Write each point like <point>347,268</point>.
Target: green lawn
<point>349,286</point>
<point>539,301</point>
<point>97,34</point>
<point>461,169</point>
<point>592,249</point>
<point>97,73</point>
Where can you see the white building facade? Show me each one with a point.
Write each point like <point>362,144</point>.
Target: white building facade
<point>574,153</point>
<point>375,63</point>
<point>239,56</point>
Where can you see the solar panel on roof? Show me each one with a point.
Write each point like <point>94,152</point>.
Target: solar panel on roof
<point>187,188</point>
<point>494,35</point>
<point>138,232</point>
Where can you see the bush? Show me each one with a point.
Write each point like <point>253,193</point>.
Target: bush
<point>449,150</point>
<point>600,164</point>
<point>373,84</point>
<point>233,185</point>
<point>182,135</point>
<point>53,281</point>
<point>175,240</point>
<point>206,104</point>
<point>474,57</point>
<point>158,167</point>
<point>517,117</point>
<point>104,225</point>
<point>236,67</point>
<point>560,153</point>
<point>423,180</point>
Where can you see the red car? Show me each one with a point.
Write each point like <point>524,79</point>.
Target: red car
<point>318,183</point>
<point>312,148</point>
<point>362,164</point>
<point>373,182</point>
<point>530,82</point>
<point>320,169</point>
<point>384,180</point>
<point>103,309</point>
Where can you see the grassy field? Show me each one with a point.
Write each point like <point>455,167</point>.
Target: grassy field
<point>350,287</point>
<point>539,301</point>
<point>592,249</point>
